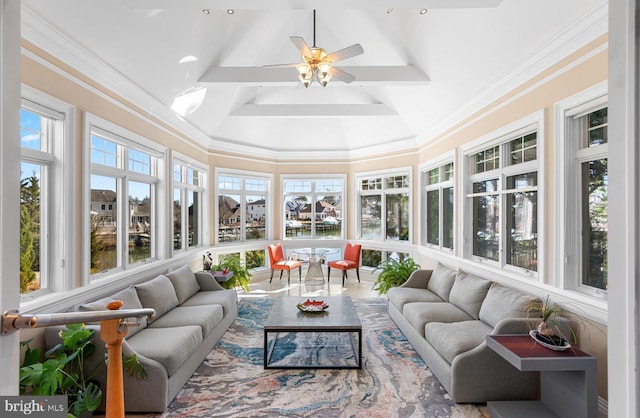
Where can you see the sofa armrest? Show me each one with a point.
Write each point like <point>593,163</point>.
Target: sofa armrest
<point>513,326</point>
<point>418,279</point>
<point>207,281</point>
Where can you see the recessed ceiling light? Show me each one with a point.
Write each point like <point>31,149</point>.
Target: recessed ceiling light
<point>206,11</point>
<point>423,11</point>
<point>389,10</point>
<point>230,11</point>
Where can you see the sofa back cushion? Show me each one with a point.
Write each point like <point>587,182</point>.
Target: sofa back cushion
<point>441,281</point>
<point>184,282</point>
<point>503,302</point>
<point>158,294</point>
<point>468,292</point>
<point>130,300</point>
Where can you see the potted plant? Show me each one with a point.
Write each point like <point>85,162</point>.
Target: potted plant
<point>241,275</point>
<point>549,327</point>
<point>62,371</point>
<point>394,273</point>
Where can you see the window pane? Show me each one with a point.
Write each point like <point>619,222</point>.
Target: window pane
<point>297,186</point>
<point>255,185</point>
<point>371,184</point>
<point>328,217</point>
<point>371,216</point>
<point>448,172</point>
<point>256,213</point>
<point>397,182</point>
<point>177,173</point>
<point>522,223</point>
<point>139,162</point>
<point>104,223</point>
<point>594,223</point>
<point>177,220</point>
<point>193,177</point>
<point>433,176</point>
<point>193,205</point>
<point>597,127</point>
<point>103,151</point>
<point>30,227</point>
<point>433,219</point>
<point>371,258</point>
<point>486,221</point>
<point>297,212</point>
<point>229,218</point>
<point>31,135</point>
<point>397,227</point>
<point>140,233</point>
<point>523,149</point>
<point>323,186</point>
<point>487,160</point>
<point>229,183</point>
<point>447,217</point>
<point>255,259</point>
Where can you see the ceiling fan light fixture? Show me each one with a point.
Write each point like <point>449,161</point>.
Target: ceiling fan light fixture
<point>324,78</point>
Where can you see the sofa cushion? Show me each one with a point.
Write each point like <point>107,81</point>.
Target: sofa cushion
<point>205,316</point>
<point>455,338</point>
<point>400,296</point>
<point>503,302</point>
<point>418,314</point>
<point>227,298</point>
<point>468,292</point>
<point>169,346</point>
<point>184,283</point>
<point>130,300</point>
<point>158,294</point>
<point>441,281</point>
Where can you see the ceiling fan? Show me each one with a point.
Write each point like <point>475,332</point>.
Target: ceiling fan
<point>317,63</point>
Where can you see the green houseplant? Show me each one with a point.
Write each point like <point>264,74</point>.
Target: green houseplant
<point>62,371</point>
<point>394,273</point>
<point>241,275</point>
<point>547,315</point>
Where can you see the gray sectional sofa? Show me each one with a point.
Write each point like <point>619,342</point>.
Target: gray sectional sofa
<point>447,314</point>
<point>192,313</point>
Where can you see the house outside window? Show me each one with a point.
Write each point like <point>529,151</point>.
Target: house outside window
<point>46,194</point>
<point>583,173</point>
<point>384,205</point>
<point>503,200</point>
<point>438,205</point>
<point>124,171</point>
<point>313,207</point>
<point>188,201</point>
<point>243,206</point>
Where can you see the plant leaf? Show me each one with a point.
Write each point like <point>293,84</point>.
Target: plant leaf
<point>133,367</point>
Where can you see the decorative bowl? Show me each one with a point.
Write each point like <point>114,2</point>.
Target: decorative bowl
<point>553,343</point>
<point>312,306</point>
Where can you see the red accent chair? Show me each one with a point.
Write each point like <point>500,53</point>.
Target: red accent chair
<point>351,260</point>
<point>278,262</point>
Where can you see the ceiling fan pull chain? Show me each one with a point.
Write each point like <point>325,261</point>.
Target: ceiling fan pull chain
<point>314,28</point>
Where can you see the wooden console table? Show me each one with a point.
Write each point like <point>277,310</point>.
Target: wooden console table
<point>568,379</point>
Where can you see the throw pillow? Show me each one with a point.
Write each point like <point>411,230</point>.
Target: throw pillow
<point>130,300</point>
<point>441,281</point>
<point>158,294</point>
<point>503,302</point>
<point>468,292</point>
<point>184,282</point>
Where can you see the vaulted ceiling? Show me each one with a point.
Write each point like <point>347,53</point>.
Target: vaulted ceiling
<point>200,68</point>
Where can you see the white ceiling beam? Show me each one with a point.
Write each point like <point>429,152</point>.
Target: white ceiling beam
<point>365,76</point>
<point>305,4</point>
<point>312,110</point>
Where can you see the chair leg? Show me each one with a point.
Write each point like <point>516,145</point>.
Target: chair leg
<point>300,273</point>
<point>328,274</point>
<point>344,276</point>
<point>281,271</point>
<point>358,273</point>
<point>271,278</point>
<point>289,277</point>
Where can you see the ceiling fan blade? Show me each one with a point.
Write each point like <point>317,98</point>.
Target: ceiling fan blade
<point>342,75</point>
<point>302,45</point>
<point>348,52</point>
<point>292,65</point>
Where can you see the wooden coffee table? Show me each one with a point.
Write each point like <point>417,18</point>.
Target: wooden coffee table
<point>340,317</point>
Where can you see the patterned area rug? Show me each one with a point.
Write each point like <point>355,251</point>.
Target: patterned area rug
<point>393,382</point>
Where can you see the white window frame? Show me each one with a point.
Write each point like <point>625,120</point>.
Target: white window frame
<point>203,220</point>
<point>58,196</point>
<point>569,156</point>
<point>243,174</point>
<point>313,178</point>
<point>400,171</point>
<point>126,139</point>
<point>534,122</point>
<point>424,168</point>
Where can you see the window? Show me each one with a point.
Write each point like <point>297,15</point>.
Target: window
<point>502,200</point>
<point>583,140</point>
<point>313,207</point>
<point>188,217</point>
<point>384,206</point>
<point>46,198</point>
<point>437,206</point>
<point>243,206</point>
<point>124,173</point>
